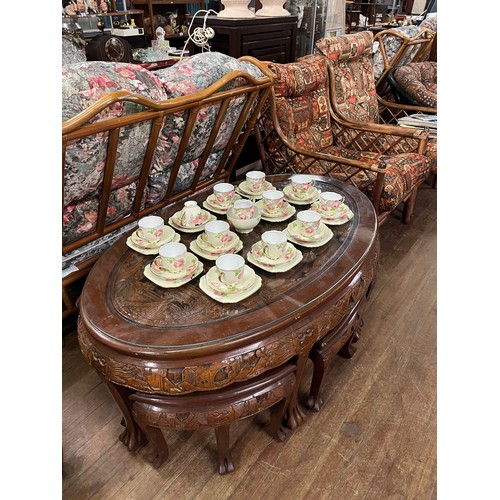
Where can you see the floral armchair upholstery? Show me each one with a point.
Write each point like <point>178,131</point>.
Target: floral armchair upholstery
<point>361,118</point>
<point>297,134</point>
<point>135,141</point>
<point>415,83</point>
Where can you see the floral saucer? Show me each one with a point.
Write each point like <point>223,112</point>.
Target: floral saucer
<point>291,198</point>
<point>257,258</point>
<point>280,217</point>
<point>322,236</point>
<point>200,247</point>
<point>147,247</point>
<point>188,268</point>
<point>244,190</point>
<point>172,283</point>
<point>211,204</point>
<point>341,216</point>
<point>175,223</point>
<point>229,294</point>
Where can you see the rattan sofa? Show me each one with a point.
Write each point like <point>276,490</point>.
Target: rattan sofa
<point>133,142</point>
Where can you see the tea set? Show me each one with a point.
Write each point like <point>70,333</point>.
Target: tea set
<point>231,279</point>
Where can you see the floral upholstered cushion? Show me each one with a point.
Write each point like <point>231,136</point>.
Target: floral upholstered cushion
<point>419,81</point>
<point>82,85</point>
<point>354,84</point>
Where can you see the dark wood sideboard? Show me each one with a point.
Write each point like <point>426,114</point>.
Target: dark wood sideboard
<point>266,38</point>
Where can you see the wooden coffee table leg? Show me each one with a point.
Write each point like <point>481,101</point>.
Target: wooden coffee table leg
<point>132,437</point>
<point>295,416</point>
<point>276,428</point>
<point>224,458</point>
<point>160,455</point>
<point>314,400</point>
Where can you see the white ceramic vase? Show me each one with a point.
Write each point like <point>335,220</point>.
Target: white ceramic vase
<point>236,9</point>
<point>272,8</point>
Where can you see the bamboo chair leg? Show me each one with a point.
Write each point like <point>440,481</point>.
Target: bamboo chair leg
<point>408,206</point>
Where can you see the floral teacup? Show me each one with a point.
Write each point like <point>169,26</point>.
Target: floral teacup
<point>217,233</point>
<point>151,228</point>
<point>173,257</point>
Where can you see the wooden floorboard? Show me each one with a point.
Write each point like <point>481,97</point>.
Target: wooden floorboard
<point>375,437</point>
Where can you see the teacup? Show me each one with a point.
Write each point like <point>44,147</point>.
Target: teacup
<point>330,201</point>
<point>302,185</point>
<point>151,227</point>
<point>191,215</point>
<point>224,193</point>
<point>216,233</point>
<point>274,244</point>
<point>230,268</point>
<point>255,180</point>
<point>274,201</point>
<point>308,222</point>
<point>173,256</point>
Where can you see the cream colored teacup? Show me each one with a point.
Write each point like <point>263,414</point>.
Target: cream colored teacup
<point>224,193</point>
<point>230,268</point>
<point>274,244</point>
<point>151,227</point>
<point>191,215</point>
<point>173,256</point>
<point>274,201</point>
<point>330,201</point>
<point>216,233</point>
<point>308,222</point>
<point>302,185</point>
<point>255,180</point>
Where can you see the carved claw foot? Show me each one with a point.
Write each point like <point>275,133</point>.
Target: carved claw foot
<point>133,439</point>
<point>225,464</point>
<point>295,417</point>
<point>157,459</point>
<point>315,402</point>
<point>281,434</point>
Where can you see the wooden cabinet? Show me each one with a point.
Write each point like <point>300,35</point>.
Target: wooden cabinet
<point>155,8</point>
<point>266,38</point>
<point>376,12</point>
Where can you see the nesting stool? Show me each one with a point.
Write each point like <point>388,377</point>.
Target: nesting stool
<point>217,409</point>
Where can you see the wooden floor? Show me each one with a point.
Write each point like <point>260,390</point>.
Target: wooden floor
<point>375,437</point>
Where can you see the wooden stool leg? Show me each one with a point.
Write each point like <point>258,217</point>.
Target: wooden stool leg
<point>276,428</point>
<point>315,401</point>
<point>159,443</point>
<point>224,458</point>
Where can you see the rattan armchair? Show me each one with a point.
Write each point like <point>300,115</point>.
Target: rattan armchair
<point>361,118</point>
<point>296,133</point>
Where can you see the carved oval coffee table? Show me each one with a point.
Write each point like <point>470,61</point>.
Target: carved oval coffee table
<point>145,339</point>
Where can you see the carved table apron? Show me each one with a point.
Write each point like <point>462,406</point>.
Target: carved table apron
<point>140,337</point>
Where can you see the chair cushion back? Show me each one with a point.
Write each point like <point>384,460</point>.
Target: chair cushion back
<point>301,100</point>
<point>419,82</point>
<point>353,84</point>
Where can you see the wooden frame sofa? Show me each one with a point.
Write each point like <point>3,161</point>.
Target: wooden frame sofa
<point>134,142</point>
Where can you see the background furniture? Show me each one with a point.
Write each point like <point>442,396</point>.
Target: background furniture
<point>298,132</point>
<point>178,341</point>
<point>163,136</point>
<point>266,38</point>
<point>355,102</point>
<point>415,83</point>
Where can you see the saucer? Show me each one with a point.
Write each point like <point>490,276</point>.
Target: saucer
<point>257,253</point>
<point>190,265</point>
<point>211,204</point>
<point>211,253</point>
<point>324,236</point>
<point>275,266</point>
<point>214,282</point>
<point>282,216</point>
<point>344,214</point>
<point>233,297</point>
<point>242,189</point>
<point>174,222</point>
<point>291,198</point>
<point>171,283</point>
<point>147,247</point>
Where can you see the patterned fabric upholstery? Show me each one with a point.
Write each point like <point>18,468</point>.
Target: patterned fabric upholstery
<point>419,81</point>
<point>85,83</point>
<point>354,82</point>
<point>303,114</point>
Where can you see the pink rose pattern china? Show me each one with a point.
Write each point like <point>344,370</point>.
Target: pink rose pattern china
<point>185,272</point>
